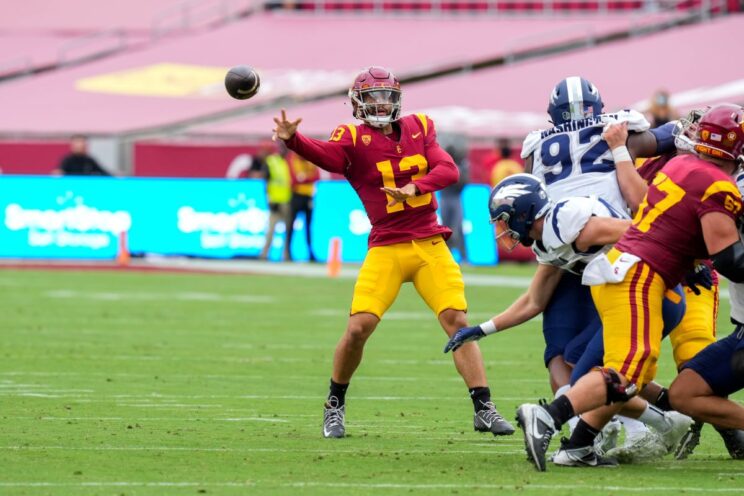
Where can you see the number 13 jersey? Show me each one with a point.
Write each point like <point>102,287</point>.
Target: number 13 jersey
<point>370,160</point>
<point>573,159</point>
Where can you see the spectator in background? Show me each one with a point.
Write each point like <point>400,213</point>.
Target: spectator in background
<point>660,110</point>
<point>275,170</point>
<point>304,176</point>
<point>450,202</point>
<point>78,162</point>
<point>504,166</point>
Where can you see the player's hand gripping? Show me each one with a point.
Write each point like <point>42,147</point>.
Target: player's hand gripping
<point>464,335</point>
<point>400,195</point>
<point>285,129</point>
<point>616,134</point>
<point>700,276</point>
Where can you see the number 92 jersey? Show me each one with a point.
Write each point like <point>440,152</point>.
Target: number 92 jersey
<point>574,160</point>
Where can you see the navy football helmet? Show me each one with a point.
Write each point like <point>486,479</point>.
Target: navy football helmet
<point>514,205</point>
<point>574,99</point>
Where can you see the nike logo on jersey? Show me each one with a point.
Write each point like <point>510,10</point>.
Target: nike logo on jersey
<point>414,136</point>
<point>436,243</point>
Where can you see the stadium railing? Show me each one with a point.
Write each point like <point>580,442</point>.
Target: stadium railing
<point>546,7</point>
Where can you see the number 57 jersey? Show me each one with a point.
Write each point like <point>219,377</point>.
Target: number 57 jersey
<point>370,160</point>
<point>574,160</point>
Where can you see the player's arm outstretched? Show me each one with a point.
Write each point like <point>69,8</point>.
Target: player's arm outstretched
<point>330,156</point>
<point>527,306</point>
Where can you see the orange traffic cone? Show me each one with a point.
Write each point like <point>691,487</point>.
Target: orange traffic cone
<point>334,257</point>
<point>123,256</point>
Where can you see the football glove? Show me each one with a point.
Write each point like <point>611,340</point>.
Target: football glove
<point>464,335</point>
<point>699,276</point>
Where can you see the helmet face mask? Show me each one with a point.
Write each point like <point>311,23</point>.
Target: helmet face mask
<point>685,130</point>
<point>574,99</point>
<point>514,205</point>
<point>376,97</point>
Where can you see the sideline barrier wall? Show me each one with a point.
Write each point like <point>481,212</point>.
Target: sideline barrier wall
<point>82,217</point>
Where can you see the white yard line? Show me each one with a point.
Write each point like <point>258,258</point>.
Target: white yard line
<point>492,451</point>
<point>521,487</point>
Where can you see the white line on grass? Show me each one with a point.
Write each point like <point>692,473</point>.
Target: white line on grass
<point>520,487</point>
<point>154,419</point>
<point>152,296</point>
<point>493,451</point>
<point>127,484</point>
<point>240,376</point>
<point>382,486</point>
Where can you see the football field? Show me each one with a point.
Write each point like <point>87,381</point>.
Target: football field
<point>151,383</point>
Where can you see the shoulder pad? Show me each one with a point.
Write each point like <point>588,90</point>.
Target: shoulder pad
<point>424,120</point>
<point>339,133</point>
<point>530,143</point>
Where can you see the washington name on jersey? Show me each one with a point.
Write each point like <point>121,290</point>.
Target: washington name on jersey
<point>573,159</point>
<point>563,224</point>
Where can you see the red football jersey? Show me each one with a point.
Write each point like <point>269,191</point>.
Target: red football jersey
<point>666,232</point>
<point>370,160</point>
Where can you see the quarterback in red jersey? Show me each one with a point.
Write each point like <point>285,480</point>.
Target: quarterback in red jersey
<point>395,165</point>
<point>689,213</point>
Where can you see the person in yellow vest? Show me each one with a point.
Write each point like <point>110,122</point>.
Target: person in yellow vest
<point>278,195</point>
<point>304,176</point>
<point>504,166</point>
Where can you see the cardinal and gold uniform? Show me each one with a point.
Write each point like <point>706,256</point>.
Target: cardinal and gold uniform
<point>406,243</point>
<point>667,237</point>
<point>698,326</point>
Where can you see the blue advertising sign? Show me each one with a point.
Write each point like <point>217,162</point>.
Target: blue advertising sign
<point>83,217</point>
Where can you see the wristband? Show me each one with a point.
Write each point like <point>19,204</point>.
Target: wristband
<point>621,154</point>
<point>488,327</point>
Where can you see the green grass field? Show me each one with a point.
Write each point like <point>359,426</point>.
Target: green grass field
<point>122,383</point>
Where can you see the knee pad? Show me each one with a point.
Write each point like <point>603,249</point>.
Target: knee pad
<point>737,363</point>
<point>616,392</point>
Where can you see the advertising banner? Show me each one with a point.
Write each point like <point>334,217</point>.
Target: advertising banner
<point>84,217</point>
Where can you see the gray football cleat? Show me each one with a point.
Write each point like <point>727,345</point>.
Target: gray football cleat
<point>607,437</point>
<point>678,426</point>
<point>581,457</point>
<point>333,419</point>
<point>538,428</point>
<point>490,420</point>
<point>639,447</point>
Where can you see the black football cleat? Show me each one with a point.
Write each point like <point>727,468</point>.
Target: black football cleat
<point>734,441</point>
<point>488,419</point>
<point>538,428</point>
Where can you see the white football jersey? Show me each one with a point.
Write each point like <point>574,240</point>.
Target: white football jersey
<point>736,289</point>
<point>563,224</point>
<point>573,159</point>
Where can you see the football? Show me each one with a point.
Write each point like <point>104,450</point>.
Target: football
<point>242,82</point>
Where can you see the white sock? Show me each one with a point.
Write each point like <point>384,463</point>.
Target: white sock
<point>572,423</point>
<point>632,426</point>
<point>655,418</point>
<point>562,390</point>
